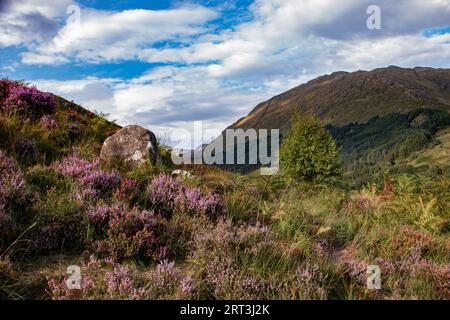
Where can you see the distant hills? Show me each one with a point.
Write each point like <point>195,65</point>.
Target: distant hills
<point>381,119</point>
<point>342,98</point>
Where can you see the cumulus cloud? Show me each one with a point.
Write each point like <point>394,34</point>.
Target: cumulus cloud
<point>99,36</point>
<point>217,74</point>
<point>24,22</point>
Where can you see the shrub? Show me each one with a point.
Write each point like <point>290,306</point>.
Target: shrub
<point>310,282</point>
<point>122,233</point>
<point>92,182</point>
<point>163,192</point>
<point>15,200</point>
<point>14,197</point>
<point>28,101</point>
<point>168,194</point>
<point>56,236</point>
<point>130,191</point>
<point>48,122</point>
<point>220,252</point>
<point>309,152</point>
<point>26,150</point>
<point>74,131</point>
<point>106,279</point>
<point>4,89</point>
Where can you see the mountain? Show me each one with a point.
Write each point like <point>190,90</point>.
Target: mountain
<point>380,119</point>
<point>39,127</point>
<point>342,98</point>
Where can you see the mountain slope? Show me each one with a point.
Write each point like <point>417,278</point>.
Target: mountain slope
<point>341,98</point>
<point>39,127</point>
<point>379,118</point>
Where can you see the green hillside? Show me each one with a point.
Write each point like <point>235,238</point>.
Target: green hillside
<point>342,98</point>
<point>143,234</point>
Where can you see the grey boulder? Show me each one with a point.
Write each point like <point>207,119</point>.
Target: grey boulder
<point>131,145</point>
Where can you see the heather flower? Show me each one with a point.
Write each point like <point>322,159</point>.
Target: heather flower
<point>92,181</point>
<point>58,290</point>
<point>26,148</point>
<point>169,194</point>
<point>128,191</point>
<point>193,201</point>
<point>4,89</point>
<point>100,181</point>
<point>28,101</point>
<point>220,275</point>
<point>162,253</point>
<point>74,131</point>
<point>75,167</point>
<point>14,197</point>
<point>253,288</point>
<point>56,236</point>
<point>187,286</point>
<point>163,192</point>
<point>12,179</point>
<point>123,233</point>
<point>165,280</point>
<point>49,123</point>
<point>216,250</point>
<point>356,269</point>
<point>310,282</point>
<point>119,282</point>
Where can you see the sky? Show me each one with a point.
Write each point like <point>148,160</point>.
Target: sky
<point>165,64</point>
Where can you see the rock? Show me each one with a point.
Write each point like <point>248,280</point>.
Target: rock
<point>132,145</point>
<point>182,173</point>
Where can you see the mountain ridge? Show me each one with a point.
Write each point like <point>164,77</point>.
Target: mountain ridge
<point>343,97</point>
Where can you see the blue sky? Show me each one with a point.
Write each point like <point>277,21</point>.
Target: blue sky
<point>165,64</point>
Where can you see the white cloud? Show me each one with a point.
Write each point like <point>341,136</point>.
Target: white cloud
<point>219,76</point>
<point>101,36</point>
<point>23,22</point>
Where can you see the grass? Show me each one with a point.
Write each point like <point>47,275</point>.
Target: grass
<point>277,238</point>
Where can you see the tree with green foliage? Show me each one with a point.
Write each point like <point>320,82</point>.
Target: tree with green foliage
<point>309,152</point>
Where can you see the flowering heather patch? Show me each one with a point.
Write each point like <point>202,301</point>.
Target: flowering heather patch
<point>122,233</point>
<point>356,269</point>
<point>15,200</point>
<point>100,181</point>
<point>58,290</point>
<point>74,131</point>
<point>26,148</point>
<point>310,282</point>
<point>169,194</point>
<point>164,191</point>
<point>107,279</point>
<point>166,278</point>
<point>415,267</point>
<point>29,101</point>
<point>4,89</point>
<point>194,202</point>
<point>187,286</point>
<point>119,282</point>
<point>75,167</point>
<point>56,236</point>
<point>255,288</point>
<point>218,248</point>
<point>13,193</point>
<point>128,191</point>
<point>409,239</point>
<point>92,181</point>
<point>48,122</point>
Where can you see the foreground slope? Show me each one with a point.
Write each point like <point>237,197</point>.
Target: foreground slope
<point>142,234</point>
